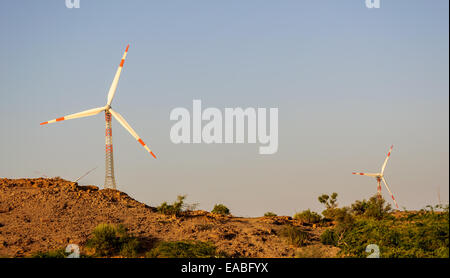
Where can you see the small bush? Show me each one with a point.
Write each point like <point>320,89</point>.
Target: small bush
<point>174,209</point>
<point>183,249</point>
<point>360,207</point>
<point>330,202</point>
<point>328,237</point>
<point>294,235</point>
<point>54,254</point>
<point>343,216</point>
<point>308,216</point>
<point>130,248</point>
<point>377,208</point>
<point>220,209</point>
<point>269,214</point>
<point>109,240</point>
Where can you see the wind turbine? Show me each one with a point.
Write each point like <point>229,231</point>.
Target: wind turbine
<point>109,162</point>
<point>380,177</point>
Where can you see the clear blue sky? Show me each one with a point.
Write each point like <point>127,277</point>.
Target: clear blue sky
<point>348,81</point>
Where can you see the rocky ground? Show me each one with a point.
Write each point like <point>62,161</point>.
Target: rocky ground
<point>47,214</point>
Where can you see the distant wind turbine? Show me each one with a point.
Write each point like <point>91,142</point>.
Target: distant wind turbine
<point>380,177</point>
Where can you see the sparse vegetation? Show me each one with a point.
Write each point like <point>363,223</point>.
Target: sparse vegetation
<point>308,216</point>
<point>183,249</point>
<point>130,247</point>
<point>348,229</point>
<point>328,237</point>
<point>175,208</point>
<point>294,235</point>
<point>109,240</point>
<point>269,214</point>
<point>220,209</point>
<point>424,234</point>
<point>374,208</point>
<point>53,254</point>
<point>330,202</point>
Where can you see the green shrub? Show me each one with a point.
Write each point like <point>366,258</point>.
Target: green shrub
<point>308,216</point>
<point>220,209</point>
<point>269,214</point>
<point>109,240</point>
<point>58,254</point>
<point>343,216</point>
<point>130,248</point>
<point>183,249</point>
<point>174,209</point>
<point>377,208</point>
<point>360,207</point>
<point>294,235</point>
<point>328,237</point>
<point>330,202</point>
<point>424,236</point>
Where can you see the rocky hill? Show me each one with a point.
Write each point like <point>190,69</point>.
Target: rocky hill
<point>47,214</point>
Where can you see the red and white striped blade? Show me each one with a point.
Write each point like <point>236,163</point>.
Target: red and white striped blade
<point>124,123</point>
<point>392,195</point>
<point>112,89</point>
<point>86,113</point>
<point>366,174</point>
<point>386,160</point>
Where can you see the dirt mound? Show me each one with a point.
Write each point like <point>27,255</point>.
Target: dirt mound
<point>46,214</point>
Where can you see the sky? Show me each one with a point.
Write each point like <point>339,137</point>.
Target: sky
<point>348,82</point>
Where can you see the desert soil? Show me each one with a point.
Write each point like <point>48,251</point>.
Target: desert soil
<point>47,214</point>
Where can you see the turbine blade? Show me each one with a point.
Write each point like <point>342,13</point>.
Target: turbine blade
<point>82,114</point>
<point>124,123</point>
<point>366,174</point>
<point>386,160</point>
<point>85,174</point>
<point>392,195</point>
<point>112,89</point>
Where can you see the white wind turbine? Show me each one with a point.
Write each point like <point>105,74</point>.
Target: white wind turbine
<point>380,177</point>
<point>109,162</point>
